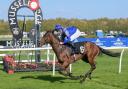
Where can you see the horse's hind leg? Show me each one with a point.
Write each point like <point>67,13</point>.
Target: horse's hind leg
<point>91,55</point>
<point>93,67</point>
<point>88,74</point>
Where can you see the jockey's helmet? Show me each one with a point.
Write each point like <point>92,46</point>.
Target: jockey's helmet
<point>58,27</point>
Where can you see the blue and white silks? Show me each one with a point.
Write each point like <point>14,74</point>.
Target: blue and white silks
<point>72,33</point>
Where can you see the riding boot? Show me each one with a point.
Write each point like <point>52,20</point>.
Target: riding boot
<point>74,49</point>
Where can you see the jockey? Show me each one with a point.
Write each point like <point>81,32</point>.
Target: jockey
<point>59,31</point>
<point>71,34</point>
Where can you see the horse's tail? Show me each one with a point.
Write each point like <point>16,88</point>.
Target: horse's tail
<point>109,53</point>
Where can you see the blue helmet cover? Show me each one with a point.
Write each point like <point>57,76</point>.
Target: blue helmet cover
<point>58,27</point>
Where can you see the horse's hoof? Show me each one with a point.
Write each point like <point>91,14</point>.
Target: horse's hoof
<point>69,75</point>
<point>89,77</point>
<point>82,80</point>
<point>81,76</point>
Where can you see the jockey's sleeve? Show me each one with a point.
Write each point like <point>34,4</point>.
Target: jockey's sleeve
<point>66,40</point>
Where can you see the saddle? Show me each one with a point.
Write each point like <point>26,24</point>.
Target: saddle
<point>76,48</point>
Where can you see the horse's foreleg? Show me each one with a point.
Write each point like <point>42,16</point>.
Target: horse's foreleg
<point>67,73</point>
<point>64,69</point>
<point>88,74</point>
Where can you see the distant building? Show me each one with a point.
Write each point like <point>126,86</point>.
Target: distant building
<point>99,33</point>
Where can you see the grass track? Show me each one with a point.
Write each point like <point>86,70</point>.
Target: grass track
<point>104,77</point>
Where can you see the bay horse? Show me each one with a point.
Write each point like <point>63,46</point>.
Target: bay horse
<point>65,58</point>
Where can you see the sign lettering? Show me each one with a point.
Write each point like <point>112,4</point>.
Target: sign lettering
<point>12,13</point>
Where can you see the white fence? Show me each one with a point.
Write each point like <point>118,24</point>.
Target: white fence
<point>30,49</point>
<point>54,57</point>
<point>48,48</point>
<point>121,55</point>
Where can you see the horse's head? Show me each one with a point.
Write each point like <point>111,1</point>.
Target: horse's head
<point>46,38</point>
<point>59,35</point>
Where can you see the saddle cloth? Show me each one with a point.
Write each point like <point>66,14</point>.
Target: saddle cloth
<point>77,46</point>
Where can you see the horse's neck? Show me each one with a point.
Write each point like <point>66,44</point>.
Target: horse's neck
<point>56,45</point>
<point>58,48</point>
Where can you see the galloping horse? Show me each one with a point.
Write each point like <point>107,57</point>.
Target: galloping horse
<point>65,58</point>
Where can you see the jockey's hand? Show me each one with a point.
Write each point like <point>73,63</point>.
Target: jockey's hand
<point>61,42</point>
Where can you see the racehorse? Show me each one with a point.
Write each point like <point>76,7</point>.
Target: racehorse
<point>65,58</point>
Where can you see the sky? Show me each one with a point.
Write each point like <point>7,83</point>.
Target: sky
<point>81,9</point>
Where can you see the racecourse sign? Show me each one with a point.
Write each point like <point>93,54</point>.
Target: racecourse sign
<point>15,6</point>
<point>106,42</point>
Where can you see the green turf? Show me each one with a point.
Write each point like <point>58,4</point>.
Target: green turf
<point>104,77</point>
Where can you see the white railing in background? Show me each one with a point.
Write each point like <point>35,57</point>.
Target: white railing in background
<point>48,48</point>
<point>48,52</point>
<point>121,55</point>
<point>24,49</point>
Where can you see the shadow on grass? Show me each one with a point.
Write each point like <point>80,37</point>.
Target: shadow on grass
<point>46,78</point>
<point>53,79</point>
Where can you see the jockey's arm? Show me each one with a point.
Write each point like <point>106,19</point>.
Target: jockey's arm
<point>66,40</point>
